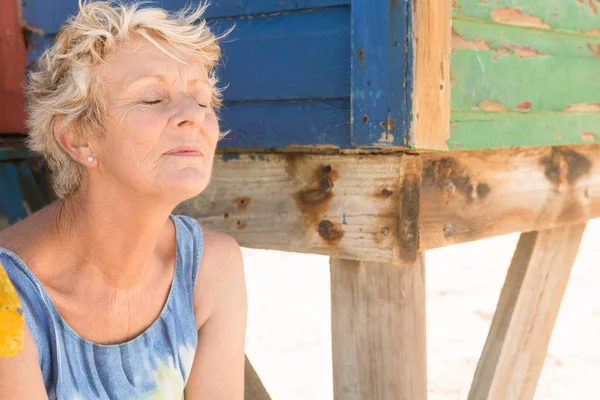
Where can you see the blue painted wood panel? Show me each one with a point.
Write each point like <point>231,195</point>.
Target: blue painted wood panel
<point>300,55</point>
<point>231,8</point>
<point>280,124</point>
<point>381,73</point>
<point>288,58</point>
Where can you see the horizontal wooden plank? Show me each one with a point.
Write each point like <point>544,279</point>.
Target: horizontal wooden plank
<point>479,130</point>
<point>347,205</point>
<point>469,34</point>
<point>342,206</point>
<point>231,8</point>
<point>304,55</point>
<point>567,15</point>
<point>284,124</point>
<point>471,195</point>
<point>49,16</point>
<point>529,83</point>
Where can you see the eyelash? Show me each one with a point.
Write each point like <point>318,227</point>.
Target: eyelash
<point>153,102</point>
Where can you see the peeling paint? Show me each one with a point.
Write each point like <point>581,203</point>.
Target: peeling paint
<point>583,107</point>
<point>528,52</point>
<point>525,106</point>
<point>459,42</point>
<point>515,17</point>
<point>386,138</point>
<point>488,105</point>
<point>588,136</point>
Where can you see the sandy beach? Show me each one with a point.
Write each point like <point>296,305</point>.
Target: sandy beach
<point>288,336</point>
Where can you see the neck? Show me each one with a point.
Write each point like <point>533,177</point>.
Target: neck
<point>118,237</point>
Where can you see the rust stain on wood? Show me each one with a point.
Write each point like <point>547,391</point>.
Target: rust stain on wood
<point>242,203</point>
<point>314,200</point>
<point>451,179</point>
<point>515,17</point>
<point>488,105</point>
<point>331,232</point>
<point>241,225</point>
<point>564,166</point>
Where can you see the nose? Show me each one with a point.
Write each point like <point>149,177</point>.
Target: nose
<point>187,113</point>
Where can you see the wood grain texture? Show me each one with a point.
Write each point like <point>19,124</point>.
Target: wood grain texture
<point>431,95</point>
<point>378,330</point>
<point>472,195</point>
<point>324,204</point>
<point>516,347</point>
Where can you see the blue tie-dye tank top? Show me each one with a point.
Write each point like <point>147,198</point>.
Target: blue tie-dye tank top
<point>154,365</point>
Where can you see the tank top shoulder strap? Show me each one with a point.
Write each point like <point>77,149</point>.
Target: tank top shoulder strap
<point>190,246</point>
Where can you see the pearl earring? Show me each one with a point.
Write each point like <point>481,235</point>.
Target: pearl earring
<point>90,159</point>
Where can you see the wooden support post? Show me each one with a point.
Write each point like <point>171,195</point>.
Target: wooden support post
<point>253,386</point>
<point>516,346</point>
<point>378,330</point>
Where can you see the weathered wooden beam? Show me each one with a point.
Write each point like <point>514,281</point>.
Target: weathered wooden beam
<point>344,206</point>
<point>471,195</point>
<point>516,346</point>
<point>431,96</point>
<point>349,205</point>
<point>378,330</point>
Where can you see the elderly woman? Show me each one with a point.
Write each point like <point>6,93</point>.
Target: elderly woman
<point>123,300</point>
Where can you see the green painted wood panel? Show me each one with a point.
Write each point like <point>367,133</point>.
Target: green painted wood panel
<point>541,83</point>
<point>515,86</point>
<point>567,15</point>
<point>483,130</point>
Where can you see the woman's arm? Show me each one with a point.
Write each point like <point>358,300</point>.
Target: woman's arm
<point>21,375</point>
<point>220,308</point>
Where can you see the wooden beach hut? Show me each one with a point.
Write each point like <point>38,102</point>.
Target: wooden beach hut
<point>372,131</point>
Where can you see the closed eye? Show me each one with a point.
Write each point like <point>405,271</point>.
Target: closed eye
<point>150,102</point>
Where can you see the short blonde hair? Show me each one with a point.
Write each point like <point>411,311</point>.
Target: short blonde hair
<point>63,87</point>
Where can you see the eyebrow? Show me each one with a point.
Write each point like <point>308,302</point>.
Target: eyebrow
<point>162,79</point>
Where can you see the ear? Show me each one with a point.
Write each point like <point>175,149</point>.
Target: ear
<point>71,142</point>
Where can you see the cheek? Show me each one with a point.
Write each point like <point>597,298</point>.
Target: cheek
<point>211,129</point>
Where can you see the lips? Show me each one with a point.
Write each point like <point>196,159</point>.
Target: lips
<point>189,151</point>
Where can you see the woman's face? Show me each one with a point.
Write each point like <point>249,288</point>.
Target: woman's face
<point>161,132</point>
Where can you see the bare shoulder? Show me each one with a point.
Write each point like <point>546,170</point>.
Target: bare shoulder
<point>220,249</point>
<point>220,275</point>
<point>28,236</point>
